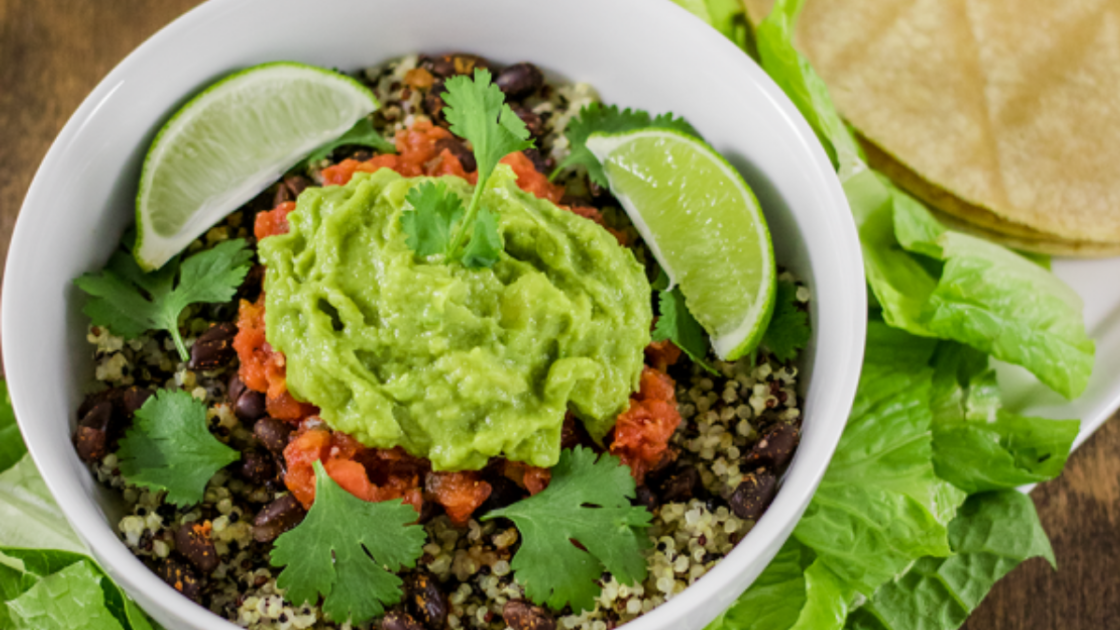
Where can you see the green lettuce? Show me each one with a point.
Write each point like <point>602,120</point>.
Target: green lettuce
<point>726,16</point>
<point>979,446</point>
<point>927,279</point>
<point>11,444</point>
<point>991,535</point>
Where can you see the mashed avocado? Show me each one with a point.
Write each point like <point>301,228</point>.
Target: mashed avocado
<point>453,364</point>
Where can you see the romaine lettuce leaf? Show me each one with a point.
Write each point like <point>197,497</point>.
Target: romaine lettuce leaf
<point>726,16</point>
<point>993,533</point>
<point>977,445</point>
<point>70,599</point>
<point>11,443</point>
<point>998,301</point>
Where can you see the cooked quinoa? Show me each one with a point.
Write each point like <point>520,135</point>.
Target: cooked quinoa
<point>738,429</point>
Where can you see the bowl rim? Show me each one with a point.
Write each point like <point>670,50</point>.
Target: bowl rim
<point>800,481</point>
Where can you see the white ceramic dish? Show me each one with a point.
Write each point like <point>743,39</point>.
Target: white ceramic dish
<point>638,53</point>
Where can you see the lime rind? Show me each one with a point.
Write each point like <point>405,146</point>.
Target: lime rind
<point>729,341</point>
<point>230,142</point>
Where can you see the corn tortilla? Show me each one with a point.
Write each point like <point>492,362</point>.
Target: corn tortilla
<point>1001,113</point>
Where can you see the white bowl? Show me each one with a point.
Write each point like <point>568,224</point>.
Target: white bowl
<point>638,53</point>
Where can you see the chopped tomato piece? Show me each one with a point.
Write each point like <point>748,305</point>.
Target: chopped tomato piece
<point>417,154</point>
<point>662,354</point>
<point>273,222</point>
<point>343,458</point>
<point>642,432</point>
<point>531,180</point>
<point>532,478</point>
<point>262,368</point>
<point>460,493</point>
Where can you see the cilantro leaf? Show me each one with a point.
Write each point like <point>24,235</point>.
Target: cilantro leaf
<point>428,225</point>
<point>170,448</point>
<point>587,501</point>
<point>478,112</point>
<point>129,302</point>
<point>362,133</point>
<point>347,550</point>
<point>675,323</point>
<point>788,331</point>
<point>485,244</point>
<point>610,119</point>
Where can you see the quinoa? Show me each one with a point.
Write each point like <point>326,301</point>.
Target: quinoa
<point>725,417</point>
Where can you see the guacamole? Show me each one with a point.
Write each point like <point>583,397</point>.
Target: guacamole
<point>454,364</point>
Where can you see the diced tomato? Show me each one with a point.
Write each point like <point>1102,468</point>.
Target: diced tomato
<point>460,493</point>
<point>532,478</point>
<point>642,432</point>
<point>274,221</point>
<point>262,368</point>
<point>343,458</point>
<point>531,180</point>
<point>662,354</point>
<point>417,154</point>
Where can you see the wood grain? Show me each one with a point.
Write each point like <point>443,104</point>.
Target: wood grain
<point>53,52</point>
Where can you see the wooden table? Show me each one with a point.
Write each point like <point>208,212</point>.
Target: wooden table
<point>53,52</point>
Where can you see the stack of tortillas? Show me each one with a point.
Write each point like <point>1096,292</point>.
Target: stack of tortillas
<point>1003,115</point>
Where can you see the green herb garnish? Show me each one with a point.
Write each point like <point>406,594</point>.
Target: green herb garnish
<point>675,323</point>
<point>169,448</point>
<point>130,302</point>
<point>788,331</point>
<point>478,113</point>
<point>609,119</point>
<point>347,550</point>
<point>587,502</point>
<point>362,133</point>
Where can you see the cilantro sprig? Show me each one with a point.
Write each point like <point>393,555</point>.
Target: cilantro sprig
<point>675,323</point>
<point>169,448</point>
<point>788,331</point>
<point>362,133</point>
<point>347,550</point>
<point>436,224</point>
<point>587,502</point>
<point>609,119</point>
<point>129,301</point>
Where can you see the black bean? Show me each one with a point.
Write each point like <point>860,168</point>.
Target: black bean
<point>235,387</point>
<point>645,497</point>
<point>296,184</point>
<point>92,435</point>
<point>399,620</point>
<point>134,398</point>
<point>214,348</point>
<point>250,288</point>
<point>424,601</point>
<point>250,405</point>
<point>754,495</point>
<point>503,493</point>
<point>181,577</point>
<point>543,164</point>
<point>273,434</point>
<point>256,467</point>
<point>282,195</point>
<point>459,150</point>
<point>573,434</point>
<point>681,485</point>
<point>532,121</point>
<point>112,396</point>
<point>277,517</point>
<point>775,449</point>
<point>459,63</point>
<point>520,79</point>
<point>193,541</point>
<point>433,102</point>
<point>521,615</point>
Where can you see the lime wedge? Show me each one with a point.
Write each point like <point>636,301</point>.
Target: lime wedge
<point>230,142</point>
<point>704,226</point>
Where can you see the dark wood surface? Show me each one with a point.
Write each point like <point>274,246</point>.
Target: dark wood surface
<point>53,52</point>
